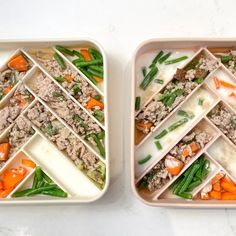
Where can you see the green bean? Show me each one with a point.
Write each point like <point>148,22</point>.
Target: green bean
<point>176,183</point>
<point>179,186</point>
<point>101,135</point>
<point>60,79</point>
<point>21,193</point>
<point>99,115</point>
<point>97,68</point>
<point>158,145</point>
<point>177,124</point>
<point>164,58</point>
<point>162,134</point>
<point>98,97</point>
<point>192,65</point>
<point>35,182</point>
<point>199,80</point>
<point>159,81</point>
<point>75,88</point>
<point>95,73</point>
<point>55,193</point>
<point>46,178</point>
<point>144,71</point>
<point>60,61</point>
<point>40,184</point>
<point>176,60</point>
<point>144,160</point>
<point>39,190</point>
<point>205,169</point>
<point>137,103</point>
<point>189,178</point>
<point>149,78</point>
<point>99,144</point>
<point>185,195</point>
<point>185,114</point>
<point>193,185</point>
<point>79,55</point>
<point>95,53</point>
<point>156,58</point>
<point>64,50</point>
<point>88,63</point>
<point>88,75</point>
<point>226,58</point>
<point>39,173</point>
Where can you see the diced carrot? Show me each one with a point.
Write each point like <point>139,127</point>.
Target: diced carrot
<point>21,170</point>
<point>144,125</point>
<point>4,151</point>
<point>1,185</point>
<point>18,63</point>
<point>5,192</point>
<point>29,163</point>
<point>8,89</point>
<point>93,103</point>
<point>194,147</point>
<point>227,84</point>
<point>233,95</point>
<point>205,196</point>
<point>228,196</point>
<point>217,186</point>
<point>173,165</point>
<point>215,194</point>
<point>219,176</point>
<point>185,152</point>
<point>226,179</point>
<point>86,55</point>
<point>228,187</point>
<point>98,79</point>
<point>69,78</point>
<point>217,82</point>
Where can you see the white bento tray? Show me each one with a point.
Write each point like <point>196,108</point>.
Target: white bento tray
<point>38,148</point>
<point>217,150</point>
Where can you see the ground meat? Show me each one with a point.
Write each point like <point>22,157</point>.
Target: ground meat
<point>225,120</point>
<point>180,74</point>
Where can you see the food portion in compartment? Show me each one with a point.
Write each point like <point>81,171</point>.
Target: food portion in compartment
<point>183,83</point>
<point>221,187</point>
<point>68,143</point>
<point>225,120</point>
<point>172,164</point>
<point>67,110</point>
<point>15,71</point>
<point>75,84</point>
<point>18,102</point>
<point>17,136</point>
<point>88,60</point>
<point>41,185</point>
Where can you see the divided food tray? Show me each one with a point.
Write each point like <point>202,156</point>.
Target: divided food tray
<point>54,121</point>
<point>183,123</point>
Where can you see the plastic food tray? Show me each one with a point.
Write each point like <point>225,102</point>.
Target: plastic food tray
<point>220,150</point>
<point>55,163</point>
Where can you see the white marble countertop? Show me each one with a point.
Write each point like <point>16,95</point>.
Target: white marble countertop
<point>119,26</point>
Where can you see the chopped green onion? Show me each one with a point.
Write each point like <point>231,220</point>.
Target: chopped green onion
<point>64,50</point>
<point>159,81</point>
<point>137,103</point>
<point>164,58</point>
<point>149,78</point>
<point>185,114</point>
<point>158,145</point>
<point>60,61</point>
<point>177,124</point>
<point>157,57</point>
<point>144,160</point>
<point>162,134</point>
<point>176,60</point>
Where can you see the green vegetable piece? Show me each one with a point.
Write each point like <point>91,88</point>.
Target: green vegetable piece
<point>1,95</point>
<point>55,193</point>
<point>199,80</point>
<point>144,71</point>
<point>49,129</point>
<point>177,124</point>
<point>159,81</point>
<point>46,178</point>
<point>99,115</point>
<point>185,114</point>
<point>101,135</point>
<point>176,183</point>
<point>39,190</point>
<point>193,185</point>
<point>88,75</point>
<point>21,193</point>
<point>95,54</point>
<point>75,88</point>
<point>64,50</point>
<point>137,103</point>
<point>149,78</point>
<point>35,182</point>
<point>79,55</point>
<point>98,97</point>
<point>60,61</point>
<point>185,195</point>
<point>58,95</point>
<point>164,58</point>
<point>158,145</point>
<point>144,160</point>
<point>192,65</point>
<point>200,101</point>
<point>99,144</point>
<point>162,134</point>
<point>95,73</point>
<point>96,68</point>
<point>156,59</point>
<point>39,173</point>
<point>88,63</point>
<point>225,59</point>
<point>60,79</point>
<point>176,60</point>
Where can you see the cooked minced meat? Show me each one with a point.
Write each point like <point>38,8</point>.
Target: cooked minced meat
<point>67,142</point>
<point>19,134</point>
<point>20,99</point>
<point>183,83</point>
<point>225,120</point>
<point>64,106</point>
<point>79,87</point>
<point>183,151</point>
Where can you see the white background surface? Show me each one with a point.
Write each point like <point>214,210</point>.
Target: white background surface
<point>119,26</point>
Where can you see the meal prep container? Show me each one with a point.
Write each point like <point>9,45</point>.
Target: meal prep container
<point>56,164</point>
<point>219,151</point>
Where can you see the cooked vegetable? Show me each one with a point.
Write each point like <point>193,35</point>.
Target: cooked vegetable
<point>96,68</point>
<point>29,163</point>
<point>4,151</point>
<point>18,63</point>
<point>8,89</point>
<point>159,81</point>
<point>88,63</point>
<point>186,151</point>
<point>164,58</point>
<point>158,145</point>
<point>49,129</point>
<point>79,55</point>
<point>95,53</point>
<point>185,114</point>
<point>60,61</point>
<point>149,78</point>
<point>99,115</point>
<point>94,103</point>
<point>144,125</point>
<point>173,165</point>
<point>95,73</point>
<point>64,50</point>
<point>69,78</point>
<point>60,79</point>
<point>89,76</point>
<point>156,59</point>
<point>176,60</point>
<point>162,134</point>
<point>144,160</point>
<point>200,101</point>
<point>137,103</point>
<point>98,143</point>
<point>217,82</point>
<point>227,84</point>
<point>144,71</point>
<point>226,58</point>
<point>228,196</point>
<point>230,95</point>
<point>215,195</point>
<point>177,124</point>
<point>85,54</point>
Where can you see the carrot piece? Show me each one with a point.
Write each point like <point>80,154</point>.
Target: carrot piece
<point>226,179</point>
<point>18,63</point>
<point>228,196</point>
<point>143,125</point>
<point>228,187</point>
<point>98,79</point>
<point>205,196</point>
<point>218,177</point>
<point>194,147</point>
<point>233,95</point>
<point>185,152</point>
<point>69,78</point>
<point>227,84</point>
<point>173,165</point>
<point>217,82</point>
<point>29,163</point>
<point>217,187</point>
<point>1,185</point>
<point>93,103</point>
<point>4,151</point>
<point>8,89</point>
<point>85,54</point>
<point>215,195</point>
<point>5,192</point>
